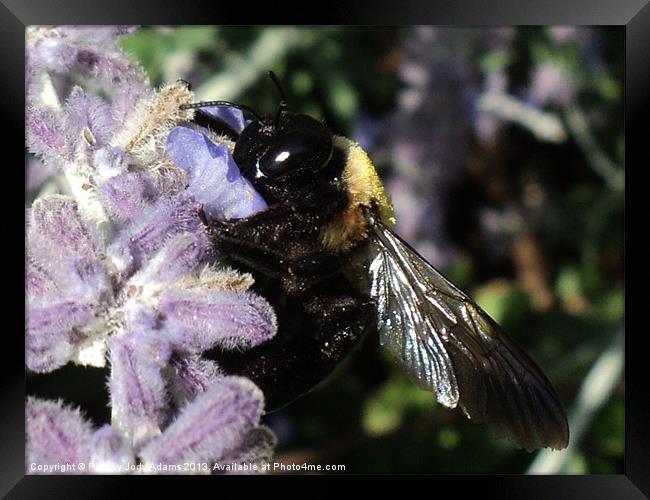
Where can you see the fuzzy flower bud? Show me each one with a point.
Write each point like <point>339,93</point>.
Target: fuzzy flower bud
<point>121,269</point>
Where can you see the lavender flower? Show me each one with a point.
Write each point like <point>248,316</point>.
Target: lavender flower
<point>217,431</point>
<point>37,173</point>
<point>58,436</point>
<point>121,268</point>
<point>215,423</point>
<point>207,164</point>
<point>89,53</point>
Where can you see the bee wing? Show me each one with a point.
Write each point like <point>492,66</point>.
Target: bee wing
<point>450,346</point>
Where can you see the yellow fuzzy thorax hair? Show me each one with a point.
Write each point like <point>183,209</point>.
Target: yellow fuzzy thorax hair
<point>364,190</point>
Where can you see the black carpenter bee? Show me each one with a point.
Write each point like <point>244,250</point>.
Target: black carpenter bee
<point>324,254</point>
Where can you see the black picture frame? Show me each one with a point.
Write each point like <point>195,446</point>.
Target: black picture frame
<point>634,15</point>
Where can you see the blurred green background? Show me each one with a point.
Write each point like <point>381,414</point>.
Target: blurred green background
<point>502,149</point>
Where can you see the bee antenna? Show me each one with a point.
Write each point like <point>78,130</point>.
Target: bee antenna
<point>283,97</point>
<point>207,104</point>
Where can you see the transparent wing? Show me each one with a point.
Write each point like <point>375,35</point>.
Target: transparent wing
<point>450,346</point>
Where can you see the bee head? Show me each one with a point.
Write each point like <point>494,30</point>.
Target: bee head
<point>283,151</point>
<point>289,149</point>
<point>281,154</point>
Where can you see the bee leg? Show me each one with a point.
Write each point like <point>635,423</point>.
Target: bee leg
<point>216,125</point>
<point>254,243</point>
<point>316,331</point>
<point>298,273</point>
<point>244,249</point>
<point>202,216</point>
<point>252,257</point>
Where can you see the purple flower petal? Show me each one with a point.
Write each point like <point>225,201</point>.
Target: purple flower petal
<point>54,54</point>
<point>125,99</point>
<point>229,114</point>
<point>49,281</point>
<point>56,223</point>
<point>142,317</point>
<point>56,435</point>
<point>156,224</point>
<point>88,281</point>
<point>124,196</point>
<point>255,451</point>
<point>110,451</point>
<point>48,137</point>
<point>213,176</point>
<point>109,67</point>
<point>198,319</point>
<point>178,257</point>
<point>50,337</point>
<point>137,388</point>
<point>217,421</point>
<point>65,281</point>
<point>40,279</point>
<point>91,51</point>
<point>37,173</point>
<point>58,274</point>
<point>110,162</point>
<point>190,375</point>
<point>89,112</point>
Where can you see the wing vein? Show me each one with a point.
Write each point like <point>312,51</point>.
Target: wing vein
<point>450,346</point>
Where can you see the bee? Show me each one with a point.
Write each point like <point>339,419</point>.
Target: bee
<point>326,257</point>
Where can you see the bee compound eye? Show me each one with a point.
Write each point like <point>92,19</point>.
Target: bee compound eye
<point>292,151</point>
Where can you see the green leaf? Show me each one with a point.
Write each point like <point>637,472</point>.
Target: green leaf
<point>385,410</point>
